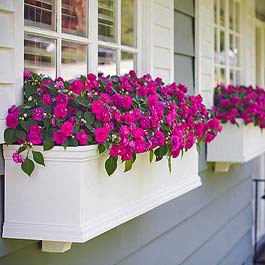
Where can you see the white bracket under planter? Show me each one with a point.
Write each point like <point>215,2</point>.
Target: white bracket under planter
<point>55,246</point>
<point>222,167</point>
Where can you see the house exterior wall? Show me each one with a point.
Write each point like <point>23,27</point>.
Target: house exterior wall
<point>210,225</point>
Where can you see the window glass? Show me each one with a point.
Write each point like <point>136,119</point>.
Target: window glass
<point>222,48</point>
<point>40,55</point>
<point>106,20</point>
<point>222,13</point>
<point>74,17</point>
<point>127,62</point>
<point>74,60</point>
<point>127,22</point>
<point>106,61</point>
<point>40,13</point>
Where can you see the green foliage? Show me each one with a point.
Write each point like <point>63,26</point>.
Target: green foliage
<point>111,165</point>
<point>28,166</point>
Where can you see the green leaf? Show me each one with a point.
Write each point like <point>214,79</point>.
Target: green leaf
<point>26,123</point>
<point>198,147</point>
<point>28,166</point>
<point>73,142</point>
<point>101,148</point>
<point>128,165</point>
<point>151,155</point>
<point>160,152</point>
<point>21,134</point>
<point>65,144</point>
<point>10,135</point>
<point>38,158</point>
<point>169,163</point>
<point>47,123</point>
<point>22,149</point>
<point>89,117</point>
<point>48,144</point>
<point>82,101</point>
<point>111,165</point>
<point>29,90</point>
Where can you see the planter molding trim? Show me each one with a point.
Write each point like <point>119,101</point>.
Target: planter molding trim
<point>235,144</point>
<point>73,200</point>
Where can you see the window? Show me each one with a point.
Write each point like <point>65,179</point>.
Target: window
<point>227,36</point>
<point>58,36</point>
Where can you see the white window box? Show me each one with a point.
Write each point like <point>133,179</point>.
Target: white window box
<point>236,145</point>
<point>73,200</point>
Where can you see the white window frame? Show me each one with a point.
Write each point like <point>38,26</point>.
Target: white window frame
<point>92,40</point>
<point>228,68</point>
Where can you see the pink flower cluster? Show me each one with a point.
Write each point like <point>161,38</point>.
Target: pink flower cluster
<point>126,114</point>
<point>233,102</point>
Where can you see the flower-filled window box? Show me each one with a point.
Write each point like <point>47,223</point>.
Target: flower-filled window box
<point>69,136</point>
<point>242,112</point>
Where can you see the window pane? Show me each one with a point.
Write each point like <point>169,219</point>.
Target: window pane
<point>222,76</point>
<point>216,53</point>
<point>127,22</point>
<point>222,47</point>
<point>237,51</point>
<point>215,11</point>
<point>237,14</point>
<point>74,17</point>
<point>107,61</point>
<point>222,13</point>
<point>39,55</point>
<point>232,55</point>
<point>74,60</point>
<point>106,20</point>
<point>232,77</point>
<point>40,13</point>
<point>238,82</point>
<point>127,62</point>
<point>231,14</point>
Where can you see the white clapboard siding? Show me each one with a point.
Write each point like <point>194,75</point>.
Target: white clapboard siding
<point>204,48</point>
<point>11,54</point>
<point>158,39</point>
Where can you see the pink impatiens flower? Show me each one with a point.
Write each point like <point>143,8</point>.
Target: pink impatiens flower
<point>77,86</point>
<point>82,137</point>
<point>59,137</point>
<point>101,135</point>
<point>17,158</point>
<point>38,114</point>
<point>60,111</point>
<point>67,128</point>
<point>11,120</point>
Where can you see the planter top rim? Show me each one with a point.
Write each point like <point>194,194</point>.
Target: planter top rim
<point>56,148</point>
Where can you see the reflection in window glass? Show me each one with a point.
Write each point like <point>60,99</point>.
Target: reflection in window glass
<point>74,60</point>
<point>237,18</point>
<point>39,55</point>
<point>106,20</point>
<point>216,59</point>
<point>222,12</point>
<point>232,78</point>
<point>127,23</point>
<point>127,62</point>
<point>222,47</point>
<point>74,17</point>
<point>222,76</point>
<point>231,14</point>
<point>106,61</point>
<point>40,13</point>
<point>215,12</point>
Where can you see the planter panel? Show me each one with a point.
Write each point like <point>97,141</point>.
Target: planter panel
<point>73,200</point>
<point>237,144</point>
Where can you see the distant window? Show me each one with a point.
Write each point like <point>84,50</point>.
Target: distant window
<point>57,38</point>
<point>227,38</point>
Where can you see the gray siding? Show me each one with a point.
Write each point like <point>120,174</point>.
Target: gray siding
<point>184,43</point>
<point>210,225</point>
